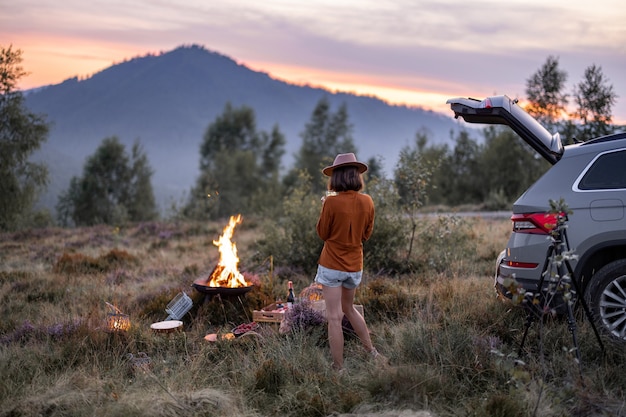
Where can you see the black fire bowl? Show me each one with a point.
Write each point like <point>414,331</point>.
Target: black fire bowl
<point>200,286</point>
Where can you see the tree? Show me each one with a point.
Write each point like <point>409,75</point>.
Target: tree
<point>113,189</point>
<point>374,169</point>
<point>507,164</point>
<point>21,133</point>
<point>436,159</point>
<point>544,90</point>
<point>464,176</point>
<point>594,98</point>
<point>412,177</point>
<point>239,167</point>
<point>141,205</point>
<point>383,251</point>
<point>291,237</point>
<point>325,135</point>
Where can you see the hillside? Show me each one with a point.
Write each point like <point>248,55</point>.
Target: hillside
<point>168,100</point>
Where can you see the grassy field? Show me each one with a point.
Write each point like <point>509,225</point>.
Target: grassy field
<point>452,345</point>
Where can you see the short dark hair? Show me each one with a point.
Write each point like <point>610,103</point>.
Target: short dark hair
<point>345,179</point>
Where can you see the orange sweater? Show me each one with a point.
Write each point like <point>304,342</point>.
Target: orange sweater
<point>346,221</point>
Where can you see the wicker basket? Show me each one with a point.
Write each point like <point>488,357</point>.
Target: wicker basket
<point>312,293</point>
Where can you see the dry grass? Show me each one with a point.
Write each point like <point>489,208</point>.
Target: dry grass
<point>451,344</point>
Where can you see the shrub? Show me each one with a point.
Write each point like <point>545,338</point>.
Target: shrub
<point>269,377</point>
<point>292,240</point>
<point>444,242</point>
<point>116,258</point>
<point>383,298</point>
<point>383,252</point>
<point>302,317</point>
<point>76,263</point>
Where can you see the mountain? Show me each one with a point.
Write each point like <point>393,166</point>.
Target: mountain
<point>168,100</point>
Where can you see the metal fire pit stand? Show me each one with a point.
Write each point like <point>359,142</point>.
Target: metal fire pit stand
<point>565,277</point>
<point>221,292</point>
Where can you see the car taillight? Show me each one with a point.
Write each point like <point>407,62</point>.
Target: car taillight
<point>516,264</point>
<point>535,223</point>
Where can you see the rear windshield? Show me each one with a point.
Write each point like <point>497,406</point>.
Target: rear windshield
<point>606,172</point>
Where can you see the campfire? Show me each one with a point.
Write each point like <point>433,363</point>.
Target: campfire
<point>225,278</point>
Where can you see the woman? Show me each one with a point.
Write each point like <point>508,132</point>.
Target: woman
<point>346,221</point>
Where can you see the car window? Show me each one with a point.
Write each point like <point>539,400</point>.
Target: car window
<point>607,172</point>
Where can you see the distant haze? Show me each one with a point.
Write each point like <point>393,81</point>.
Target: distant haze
<point>167,101</point>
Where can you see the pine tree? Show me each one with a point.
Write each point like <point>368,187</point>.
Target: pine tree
<point>142,205</point>
<point>325,135</point>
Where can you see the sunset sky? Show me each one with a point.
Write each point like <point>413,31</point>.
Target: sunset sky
<point>404,51</point>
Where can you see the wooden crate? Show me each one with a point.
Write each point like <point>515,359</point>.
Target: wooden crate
<point>262,316</point>
<point>267,315</point>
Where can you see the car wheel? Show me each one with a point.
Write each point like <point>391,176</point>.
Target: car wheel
<point>607,295</point>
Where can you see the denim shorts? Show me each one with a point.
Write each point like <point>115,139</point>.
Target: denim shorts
<point>334,278</point>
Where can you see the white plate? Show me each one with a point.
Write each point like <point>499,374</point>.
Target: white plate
<point>166,326</point>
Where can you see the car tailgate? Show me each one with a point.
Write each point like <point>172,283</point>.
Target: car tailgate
<point>504,111</point>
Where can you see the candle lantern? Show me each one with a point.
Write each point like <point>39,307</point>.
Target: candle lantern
<point>117,321</point>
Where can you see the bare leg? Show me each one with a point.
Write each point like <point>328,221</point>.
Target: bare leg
<point>334,315</point>
<point>356,320</point>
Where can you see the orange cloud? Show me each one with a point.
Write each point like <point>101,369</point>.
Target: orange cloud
<point>391,91</point>
<point>60,58</point>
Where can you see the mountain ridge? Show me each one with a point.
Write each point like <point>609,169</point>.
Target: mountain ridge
<point>167,101</point>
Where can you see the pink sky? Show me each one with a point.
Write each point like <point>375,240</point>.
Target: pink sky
<point>403,51</point>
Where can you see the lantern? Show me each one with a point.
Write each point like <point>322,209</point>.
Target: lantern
<point>117,321</point>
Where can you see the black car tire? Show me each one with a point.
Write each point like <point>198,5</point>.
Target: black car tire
<point>607,299</point>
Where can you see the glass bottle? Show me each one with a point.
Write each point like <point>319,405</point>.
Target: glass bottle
<point>290,296</point>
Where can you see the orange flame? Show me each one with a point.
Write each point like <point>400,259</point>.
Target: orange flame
<point>226,273</point>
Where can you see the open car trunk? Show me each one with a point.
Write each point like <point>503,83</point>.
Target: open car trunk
<point>502,110</point>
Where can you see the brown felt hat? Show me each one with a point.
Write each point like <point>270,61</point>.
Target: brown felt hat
<point>344,160</point>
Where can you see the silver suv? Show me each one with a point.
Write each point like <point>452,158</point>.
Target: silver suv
<point>590,178</point>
